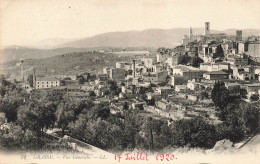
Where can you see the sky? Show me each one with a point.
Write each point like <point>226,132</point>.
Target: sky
<point>26,22</point>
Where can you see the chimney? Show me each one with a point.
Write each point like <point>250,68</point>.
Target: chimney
<point>134,68</point>
<point>22,76</point>
<point>34,78</point>
<point>190,34</point>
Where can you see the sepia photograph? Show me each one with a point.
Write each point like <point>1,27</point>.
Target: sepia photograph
<point>129,81</point>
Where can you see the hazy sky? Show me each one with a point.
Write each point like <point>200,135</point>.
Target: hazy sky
<point>24,22</point>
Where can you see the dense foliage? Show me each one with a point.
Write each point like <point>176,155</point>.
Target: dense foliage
<point>193,61</point>
<point>239,118</point>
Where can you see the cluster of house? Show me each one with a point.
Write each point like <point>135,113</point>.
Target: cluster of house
<point>164,80</point>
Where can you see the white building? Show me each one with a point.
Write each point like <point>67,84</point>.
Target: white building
<point>191,85</point>
<point>179,88</point>
<point>46,82</point>
<point>215,66</point>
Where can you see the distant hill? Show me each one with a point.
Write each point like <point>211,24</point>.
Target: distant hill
<point>147,38</point>
<point>52,43</point>
<point>112,41</point>
<point>18,52</point>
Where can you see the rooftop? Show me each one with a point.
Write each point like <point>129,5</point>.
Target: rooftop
<point>186,68</point>
<point>46,78</point>
<point>253,85</point>
<point>217,73</point>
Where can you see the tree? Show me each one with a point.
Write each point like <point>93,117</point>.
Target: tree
<point>78,129</point>
<point>219,52</point>
<point>151,102</point>
<point>220,95</point>
<point>100,110</point>
<point>129,129</point>
<point>36,116</point>
<point>80,79</point>
<point>112,85</point>
<point>11,102</point>
<point>184,59</point>
<point>82,106</point>
<point>195,132</point>
<point>195,61</point>
<point>254,97</point>
<point>108,135</point>
<point>18,139</point>
<point>204,94</point>
<point>239,118</point>
<point>125,107</point>
<point>64,115</point>
<point>92,94</point>
<point>148,129</point>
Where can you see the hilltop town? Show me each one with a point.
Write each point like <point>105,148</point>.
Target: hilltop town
<point>196,94</point>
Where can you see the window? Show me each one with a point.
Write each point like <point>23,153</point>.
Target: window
<point>47,86</point>
<point>38,86</point>
<point>42,86</point>
<point>42,82</point>
<point>52,82</point>
<point>47,82</point>
<point>38,82</point>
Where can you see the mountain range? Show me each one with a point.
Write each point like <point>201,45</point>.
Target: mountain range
<point>149,38</point>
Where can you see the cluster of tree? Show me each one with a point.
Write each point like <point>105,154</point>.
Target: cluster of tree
<point>85,77</point>
<point>113,88</point>
<point>136,130</point>
<point>239,118</point>
<point>219,52</point>
<point>193,61</point>
<point>179,50</point>
<point>31,114</point>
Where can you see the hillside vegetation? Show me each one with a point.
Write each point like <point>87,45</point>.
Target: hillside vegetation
<point>67,63</point>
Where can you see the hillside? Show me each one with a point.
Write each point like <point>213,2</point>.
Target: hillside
<point>71,63</point>
<point>18,52</point>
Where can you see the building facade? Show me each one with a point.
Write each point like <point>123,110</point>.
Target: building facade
<point>46,82</point>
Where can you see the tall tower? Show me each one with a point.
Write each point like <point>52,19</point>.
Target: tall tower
<point>207,28</point>
<point>239,35</point>
<point>190,34</point>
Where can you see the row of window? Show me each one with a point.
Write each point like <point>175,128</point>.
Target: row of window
<point>47,86</point>
<point>46,82</point>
